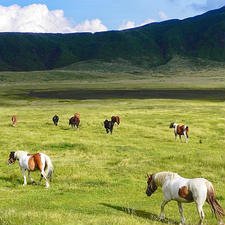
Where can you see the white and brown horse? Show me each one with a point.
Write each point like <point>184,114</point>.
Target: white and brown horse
<point>180,130</point>
<point>185,190</point>
<point>32,162</point>
<point>14,120</point>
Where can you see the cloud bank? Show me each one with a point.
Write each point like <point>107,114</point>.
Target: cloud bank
<point>131,24</point>
<point>38,18</point>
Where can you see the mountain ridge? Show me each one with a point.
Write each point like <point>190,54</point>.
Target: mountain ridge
<point>151,45</point>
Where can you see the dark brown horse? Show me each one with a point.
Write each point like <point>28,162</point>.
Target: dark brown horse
<point>14,120</point>
<point>75,120</point>
<point>115,119</point>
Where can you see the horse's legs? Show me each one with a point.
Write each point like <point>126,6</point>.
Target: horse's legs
<point>185,136</point>
<point>175,137</point>
<point>200,212</point>
<point>33,182</point>
<point>180,138</point>
<point>162,214</point>
<point>24,177</point>
<point>43,174</point>
<point>181,213</point>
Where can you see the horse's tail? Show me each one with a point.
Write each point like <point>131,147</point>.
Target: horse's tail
<point>187,130</point>
<point>211,199</point>
<point>49,167</point>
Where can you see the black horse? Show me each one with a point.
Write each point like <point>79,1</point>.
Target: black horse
<point>108,126</point>
<point>55,119</point>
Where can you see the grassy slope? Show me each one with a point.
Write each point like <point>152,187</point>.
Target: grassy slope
<point>147,46</point>
<point>99,178</point>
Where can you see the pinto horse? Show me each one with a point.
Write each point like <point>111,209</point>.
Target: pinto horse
<point>14,120</point>
<point>180,130</point>
<point>184,190</point>
<point>31,162</point>
<point>115,119</point>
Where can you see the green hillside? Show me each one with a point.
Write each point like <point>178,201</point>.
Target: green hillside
<point>147,46</point>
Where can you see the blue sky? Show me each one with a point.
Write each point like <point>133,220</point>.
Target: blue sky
<point>67,16</point>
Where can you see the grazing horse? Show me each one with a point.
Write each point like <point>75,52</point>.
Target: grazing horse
<point>31,162</point>
<point>115,119</point>
<point>14,120</point>
<point>108,126</point>
<point>77,115</point>
<point>74,121</point>
<point>180,130</point>
<point>55,120</point>
<point>184,190</point>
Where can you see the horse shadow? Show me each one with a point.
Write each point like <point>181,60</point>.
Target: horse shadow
<point>140,213</point>
<point>13,180</point>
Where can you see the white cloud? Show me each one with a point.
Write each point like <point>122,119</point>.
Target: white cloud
<point>38,18</point>
<point>127,25</point>
<point>91,26</point>
<point>162,15</point>
<point>131,24</point>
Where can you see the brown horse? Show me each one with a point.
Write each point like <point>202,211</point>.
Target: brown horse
<point>115,119</point>
<point>75,120</point>
<point>77,115</point>
<point>14,120</point>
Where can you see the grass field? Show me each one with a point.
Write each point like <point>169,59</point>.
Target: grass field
<point>100,178</point>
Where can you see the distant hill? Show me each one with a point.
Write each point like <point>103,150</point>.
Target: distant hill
<point>147,46</point>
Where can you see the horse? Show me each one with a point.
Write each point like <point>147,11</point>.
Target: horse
<point>108,126</point>
<point>77,115</point>
<point>115,119</point>
<point>32,162</point>
<point>184,190</point>
<point>74,121</point>
<point>14,120</point>
<point>180,130</point>
<point>55,120</point>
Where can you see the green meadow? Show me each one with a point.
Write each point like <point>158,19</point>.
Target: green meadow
<point>100,179</point>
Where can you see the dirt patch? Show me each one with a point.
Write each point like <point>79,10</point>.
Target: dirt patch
<point>138,94</point>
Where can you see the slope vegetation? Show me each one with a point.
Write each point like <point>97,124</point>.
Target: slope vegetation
<point>147,46</point>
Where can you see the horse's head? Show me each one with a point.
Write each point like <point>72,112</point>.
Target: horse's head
<point>151,188</point>
<point>171,125</point>
<point>12,158</point>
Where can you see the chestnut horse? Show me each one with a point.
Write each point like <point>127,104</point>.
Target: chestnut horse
<point>14,120</point>
<point>31,162</point>
<point>75,120</point>
<point>185,190</point>
<point>115,119</point>
<point>180,130</point>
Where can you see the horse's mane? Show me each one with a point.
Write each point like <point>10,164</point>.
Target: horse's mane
<point>160,177</point>
<point>18,154</point>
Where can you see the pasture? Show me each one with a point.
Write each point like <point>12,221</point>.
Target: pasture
<point>101,178</point>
